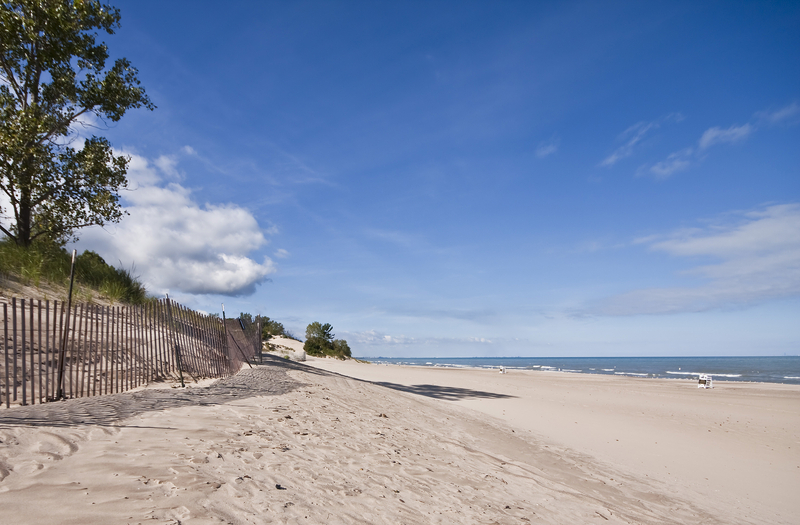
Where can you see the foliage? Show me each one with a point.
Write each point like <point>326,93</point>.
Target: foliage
<point>269,327</point>
<point>341,348</point>
<point>53,77</point>
<point>45,261</point>
<point>320,331</point>
<point>320,342</point>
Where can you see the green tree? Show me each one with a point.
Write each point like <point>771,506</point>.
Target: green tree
<point>321,331</point>
<point>53,77</point>
<point>271,327</point>
<point>319,339</point>
<point>341,349</point>
<point>320,342</point>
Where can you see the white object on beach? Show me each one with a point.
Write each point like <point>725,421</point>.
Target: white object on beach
<point>704,381</point>
<point>502,370</point>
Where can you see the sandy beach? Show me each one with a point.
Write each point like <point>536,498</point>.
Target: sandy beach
<point>346,442</point>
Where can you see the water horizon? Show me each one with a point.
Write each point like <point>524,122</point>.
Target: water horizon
<point>756,369</point>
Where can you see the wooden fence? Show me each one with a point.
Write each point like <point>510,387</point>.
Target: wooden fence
<point>51,353</point>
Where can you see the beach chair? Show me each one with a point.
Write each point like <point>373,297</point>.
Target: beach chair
<point>704,381</point>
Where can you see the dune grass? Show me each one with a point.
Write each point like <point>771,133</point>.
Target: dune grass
<point>48,263</point>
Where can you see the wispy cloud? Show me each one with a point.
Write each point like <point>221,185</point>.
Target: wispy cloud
<point>375,338</point>
<point>636,133</point>
<point>678,161</point>
<point>787,113</point>
<point>633,135</point>
<point>718,135</point>
<point>757,259</point>
<point>177,244</point>
<point>547,148</point>
<point>683,159</point>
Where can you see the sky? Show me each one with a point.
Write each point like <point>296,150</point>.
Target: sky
<point>470,178</point>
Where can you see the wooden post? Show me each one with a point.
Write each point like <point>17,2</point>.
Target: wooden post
<point>177,349</point>
<point>60,390</point>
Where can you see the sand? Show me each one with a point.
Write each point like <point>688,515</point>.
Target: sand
<point>291,443</point>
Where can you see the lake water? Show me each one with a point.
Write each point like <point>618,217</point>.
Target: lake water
<point>784,369</point>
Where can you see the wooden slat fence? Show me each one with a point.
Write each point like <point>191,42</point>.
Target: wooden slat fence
<point>49,353</point>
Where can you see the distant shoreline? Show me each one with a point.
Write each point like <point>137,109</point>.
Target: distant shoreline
<point>750,369</point>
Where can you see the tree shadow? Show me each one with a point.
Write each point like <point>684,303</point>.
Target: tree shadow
<point>448,393</point>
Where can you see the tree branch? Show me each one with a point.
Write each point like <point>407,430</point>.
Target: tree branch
<point>8,233</point>
<point>10,76</point>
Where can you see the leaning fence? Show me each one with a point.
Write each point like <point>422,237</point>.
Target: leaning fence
<point>51,351</point>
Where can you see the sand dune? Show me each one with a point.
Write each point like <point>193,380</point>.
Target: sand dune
<point>288,443</point>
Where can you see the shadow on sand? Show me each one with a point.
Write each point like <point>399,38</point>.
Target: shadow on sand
<point>448,393</point>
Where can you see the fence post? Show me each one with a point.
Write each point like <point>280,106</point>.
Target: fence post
<point>258,343</point>
<point>63,353</point>
<point>177,348</point>
<point>234,338</point>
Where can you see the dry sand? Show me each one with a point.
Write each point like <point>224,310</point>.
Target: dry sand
<point>290,443</point>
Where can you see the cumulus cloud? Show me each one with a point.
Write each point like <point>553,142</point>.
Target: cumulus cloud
<point>177,244</point>
<point>756,259</point>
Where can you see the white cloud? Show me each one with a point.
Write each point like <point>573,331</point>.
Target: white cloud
<point>545,149</point>
<point>626,150</point>
<point>375,338</point>
<point>757,259</point>
<point>167,164</point>
<point>781,115</point>
<point>683,159</point>
<point>678,161</point>
<point>281,253</point>
<point>636,134</point>
<point>718,135</point>
<point>178,245</point>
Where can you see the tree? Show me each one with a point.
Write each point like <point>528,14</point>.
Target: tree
<point>341,349</point>
<point>320,342</point>
<point>271,327</point>
<point>318,330</point>
<point>53,77</point>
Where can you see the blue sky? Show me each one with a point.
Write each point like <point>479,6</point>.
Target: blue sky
<point>471,178</point>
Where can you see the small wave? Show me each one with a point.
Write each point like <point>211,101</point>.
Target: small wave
<point>791,377</point>
<point>567,370</point>
<point>704,373</point>
<point>607,369</point>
